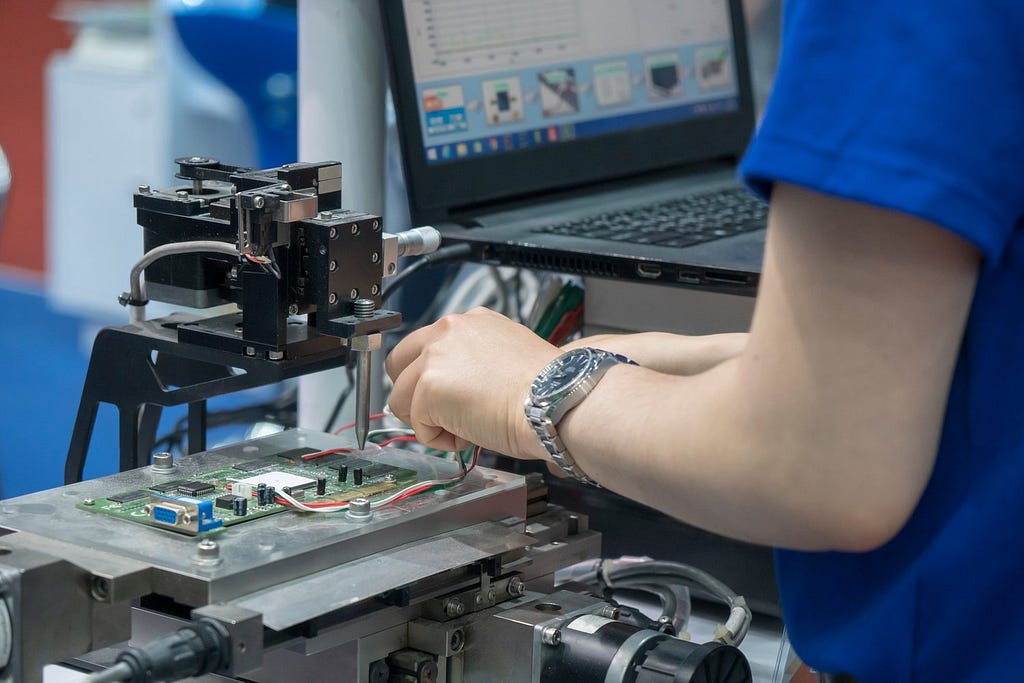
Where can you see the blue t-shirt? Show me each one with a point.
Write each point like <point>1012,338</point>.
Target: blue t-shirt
<point>918,106</point>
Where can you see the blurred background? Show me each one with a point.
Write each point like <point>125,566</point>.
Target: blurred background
<point>97,98</point>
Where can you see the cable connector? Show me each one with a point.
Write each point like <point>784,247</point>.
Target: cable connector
<point>200,648</point>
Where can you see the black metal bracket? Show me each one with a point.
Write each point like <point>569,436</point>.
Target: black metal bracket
<point>142,368</point>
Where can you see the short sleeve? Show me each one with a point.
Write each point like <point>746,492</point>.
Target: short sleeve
<point>915,106</point>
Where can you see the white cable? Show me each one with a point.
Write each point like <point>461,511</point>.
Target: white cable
<point>137,313</point>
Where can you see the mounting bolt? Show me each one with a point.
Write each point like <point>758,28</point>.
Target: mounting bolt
<point>490,596</point>
<point>355,228</point>
<point>333,298</point>
<point>359,509</point>
<point>208,552</point>
<point>293,309</point>
<point>610,612</point>
<point>354,294</point>
<point>275,355</point>
<point>145,189</point>
<point>453,607</point>
<point>376,226</point>
<point>182,194</point>
<point>374,257</point>
<point>375,289</point>
<point>551,636</point>
<point>391,268</point>
<point>334,233</point>
<point>516,587</point>
<point>163,462</point>
<point>259,202</point>
<point>333,266</point>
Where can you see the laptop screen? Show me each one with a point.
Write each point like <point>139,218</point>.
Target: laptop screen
<point>497,76</point>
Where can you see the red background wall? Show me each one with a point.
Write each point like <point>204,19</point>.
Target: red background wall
<point>28,36</point>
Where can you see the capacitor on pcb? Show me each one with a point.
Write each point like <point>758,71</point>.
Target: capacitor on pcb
<point>357,476</point>
<point>271,495</point>
<point>261,494</point>
<point>342,474</point>
<point>240,507</point>
<point>321,486</point>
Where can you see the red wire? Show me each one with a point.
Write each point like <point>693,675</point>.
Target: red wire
<point>350,425</point>
<point>329,451</point>
<point>396,438</point>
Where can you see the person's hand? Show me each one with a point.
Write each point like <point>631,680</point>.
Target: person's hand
<point>464,380</point>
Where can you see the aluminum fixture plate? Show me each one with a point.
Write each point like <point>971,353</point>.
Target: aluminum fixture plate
<point>276,549</point>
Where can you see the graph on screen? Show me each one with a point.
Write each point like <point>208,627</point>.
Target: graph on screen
<point>475,34</point>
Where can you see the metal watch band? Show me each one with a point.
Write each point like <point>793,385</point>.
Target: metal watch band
<point>545,429</point>
<point>544,426</point>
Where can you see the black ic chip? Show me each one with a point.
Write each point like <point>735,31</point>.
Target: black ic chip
<point>378,469</point>
<point>168,486</point>
<point>129,496</point>
<point>295,454</point>
<point>195,488</point>
<point>251,465</point>
<point>226,502</point>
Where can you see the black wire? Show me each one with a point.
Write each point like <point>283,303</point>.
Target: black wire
<point>342,397</point>
<point>454,252</point>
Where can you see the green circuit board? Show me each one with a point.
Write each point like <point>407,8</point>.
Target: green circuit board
<point>213,488</point>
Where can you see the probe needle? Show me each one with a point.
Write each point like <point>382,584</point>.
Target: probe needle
<point>362,397</point>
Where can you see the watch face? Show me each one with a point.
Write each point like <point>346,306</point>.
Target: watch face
<point>562,374</point>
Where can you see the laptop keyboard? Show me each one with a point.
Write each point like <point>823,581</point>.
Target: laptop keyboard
<point>681,222</point>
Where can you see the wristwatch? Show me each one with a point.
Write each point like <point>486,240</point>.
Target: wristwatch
<point>561,386</point>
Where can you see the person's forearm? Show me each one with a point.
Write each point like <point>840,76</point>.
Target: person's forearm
<point>674,354</point>
<point>686,444</point>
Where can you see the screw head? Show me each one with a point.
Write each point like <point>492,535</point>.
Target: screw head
<point>88,501</point>
<point>144,189</point>
<point>333,298</point>
<point>354,294</point>
<point>293,309</point>
<point>163,462</point>
<point>374,257</point>
<point>259,202</point>
<point>250,350</point>
<point>355,228</point>
<point>376,226</point>
<point>375,289</point>
<point>334,233</point>
<point>208,552</point>
<point>516,587</point>
<point>322,216</point>
<point>551,636</point>
<point>275,355</point>
<point>391,268</point>
<point>454,607</point>
<point>182,194</point>
<point>333,266</point>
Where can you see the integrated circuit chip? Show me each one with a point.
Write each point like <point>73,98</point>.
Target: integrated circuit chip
<point>295,454</point>
<point>168,486</point>
<point>129,496</point>
<point>195,488</point>
<point>251,465</point>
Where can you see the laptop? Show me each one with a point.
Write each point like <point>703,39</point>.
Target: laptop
<point>595,137</point>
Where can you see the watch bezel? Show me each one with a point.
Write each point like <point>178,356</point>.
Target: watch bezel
<point>542,396</point>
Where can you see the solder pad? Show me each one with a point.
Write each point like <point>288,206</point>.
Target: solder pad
<point>131,506</point>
